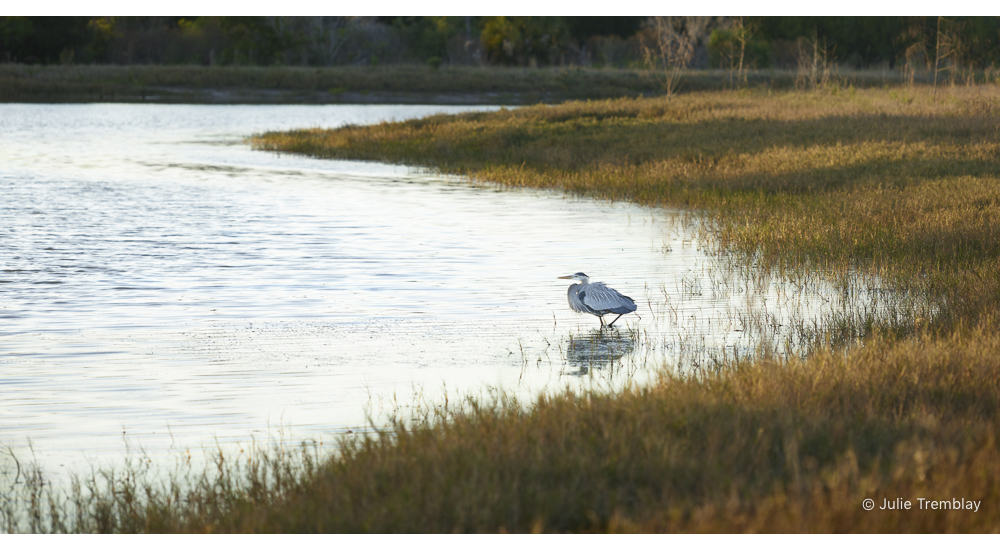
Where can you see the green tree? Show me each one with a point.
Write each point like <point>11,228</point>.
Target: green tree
<point>257,40</point>
<point>523,40</point>
<point>42,39</point>
<point>427,37</point>
<point>14,32</point>
<point>582,28</point>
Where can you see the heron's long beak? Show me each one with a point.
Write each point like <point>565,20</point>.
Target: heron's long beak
<point>566,277</point>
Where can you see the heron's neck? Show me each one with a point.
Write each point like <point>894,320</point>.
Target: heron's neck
<point>585,281</point>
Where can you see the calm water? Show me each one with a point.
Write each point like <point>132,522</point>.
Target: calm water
<point>163,284</point>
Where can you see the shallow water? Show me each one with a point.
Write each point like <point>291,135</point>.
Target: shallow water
<point>163,284</point>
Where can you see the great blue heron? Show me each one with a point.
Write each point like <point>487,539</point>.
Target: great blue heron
<point>597,299</point>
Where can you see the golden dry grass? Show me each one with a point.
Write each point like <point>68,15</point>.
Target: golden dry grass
<point>768,447</point>
<point>896,184</point>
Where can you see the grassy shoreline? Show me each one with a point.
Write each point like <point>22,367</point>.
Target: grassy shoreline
<point>767,446</point>
<point>358,84</point>
<point>898,185</point>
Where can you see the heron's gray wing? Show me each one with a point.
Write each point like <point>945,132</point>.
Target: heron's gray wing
<point>599,297</point>
<point>575,303</point>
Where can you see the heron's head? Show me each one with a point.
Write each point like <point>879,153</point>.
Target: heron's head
<point>579,276</point>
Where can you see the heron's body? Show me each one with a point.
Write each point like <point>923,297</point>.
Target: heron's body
<point>597,299</point>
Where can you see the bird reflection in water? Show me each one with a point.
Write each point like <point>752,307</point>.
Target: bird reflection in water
<point>597,349</point>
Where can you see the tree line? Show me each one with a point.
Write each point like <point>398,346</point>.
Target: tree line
<point>757,42</point>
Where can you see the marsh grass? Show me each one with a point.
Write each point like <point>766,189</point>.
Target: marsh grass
<point>891,194</point>
<point>769,446</point>
<point>143,495</point>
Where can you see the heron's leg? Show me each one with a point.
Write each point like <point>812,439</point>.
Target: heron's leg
<point>616,319</point>
<point>601,317</point>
